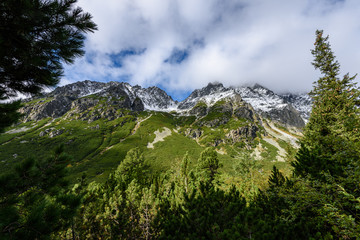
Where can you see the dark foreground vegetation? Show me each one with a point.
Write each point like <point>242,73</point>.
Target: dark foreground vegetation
<point>321,200</point>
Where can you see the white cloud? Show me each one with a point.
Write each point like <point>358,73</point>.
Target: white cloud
<point>231,41</point>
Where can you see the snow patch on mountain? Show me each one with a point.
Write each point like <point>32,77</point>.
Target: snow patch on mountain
<point>79,89</point>
<point>301,102</point>
<point>155,98</point>
<point>210,94</point>
<point>82,94</point>
<point>209,100</point>
<point>260,98</point>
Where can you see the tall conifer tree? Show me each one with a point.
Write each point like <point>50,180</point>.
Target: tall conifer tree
<point>331,137</point>
<point>36,37</point>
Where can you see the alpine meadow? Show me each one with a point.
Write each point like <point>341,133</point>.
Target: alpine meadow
<point>114,160</point>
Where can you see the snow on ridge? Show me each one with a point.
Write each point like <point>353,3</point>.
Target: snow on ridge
<point>209,99</point>
<point>155,99</point>
<point>129,90</point>
<point>261,98</point>
<point>301,102</point>
<point>172,107</point>
<point>216,96</point>
<point>82,94</point>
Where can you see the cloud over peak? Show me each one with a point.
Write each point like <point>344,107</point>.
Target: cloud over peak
<point>184,44</point>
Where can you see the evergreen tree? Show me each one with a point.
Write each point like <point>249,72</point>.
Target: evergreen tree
<point>208,164</point>
<point>246,166</point>
<point>184,171</point>
<point>276,178</point>
<point>36,37</point>
<point>206,213</point>
<point>332,136</point>
<point>121,208</point>
<point>8,114</point>
<point>33,202</point>
<point>132,167</point>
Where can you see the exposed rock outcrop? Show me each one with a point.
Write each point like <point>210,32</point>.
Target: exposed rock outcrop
<point>218,114</point>
<point>199,110</point>
<point>243,133</point>
<point>287,115</point>
<point>193,133</point>
<point>51,132</point>
<point>54,108</point>
<point>244,112</point>
<point>83,104</point>
<point>137,105</point>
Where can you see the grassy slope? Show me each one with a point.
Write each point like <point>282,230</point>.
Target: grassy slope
<point>97,148</point>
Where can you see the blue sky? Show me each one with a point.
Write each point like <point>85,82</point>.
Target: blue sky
<point>181,45</point>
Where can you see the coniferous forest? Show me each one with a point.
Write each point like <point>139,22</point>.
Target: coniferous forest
<point>320,199</point>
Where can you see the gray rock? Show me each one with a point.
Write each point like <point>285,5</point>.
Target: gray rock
<point>193,133</point>
<point>244,112</point>
<point>218,114</point>
<point>83,104</point>
<point>46,132</point>
<point>199,111</point>
<point>56,133</point>
<point>93,118</point>
<point>288,116</point>
<point>152,97</point>
<point>57,107</point>
<point>137,105</point>
<point>217,142</point>
<point>301,102</point>
<point>246,132</point>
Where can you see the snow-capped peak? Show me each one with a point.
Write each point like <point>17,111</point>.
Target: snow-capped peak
<point>155,98</point>
<point>260,98</point>
<point>79,89</point>
<point>210,94</point>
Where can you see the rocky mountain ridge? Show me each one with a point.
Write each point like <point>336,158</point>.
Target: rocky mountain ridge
<point>290,109</point>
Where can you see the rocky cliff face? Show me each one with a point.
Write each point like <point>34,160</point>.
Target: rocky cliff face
<point>301,102</point>
<point>243,133</point>
<point>53,107</point>
<point>229,120</point>
<point>287,115</point>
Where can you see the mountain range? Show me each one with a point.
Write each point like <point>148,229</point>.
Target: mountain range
<point>291,109</point>
<point>99,122</point>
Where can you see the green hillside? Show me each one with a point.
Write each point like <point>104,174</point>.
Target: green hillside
<point>98,147</point>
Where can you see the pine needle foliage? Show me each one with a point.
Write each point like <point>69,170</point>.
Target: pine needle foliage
<point>333,131</point>
<point>36,38</point>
